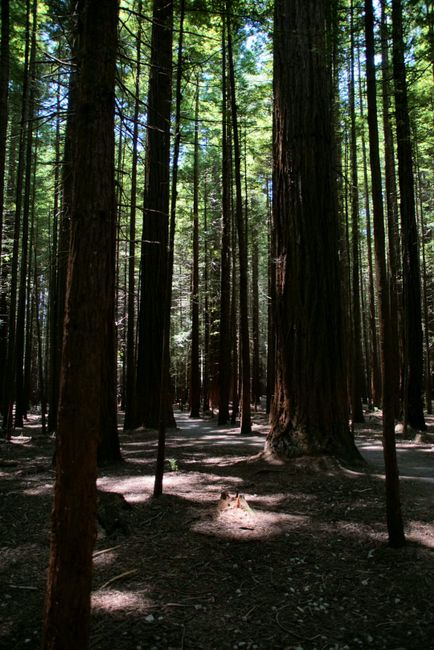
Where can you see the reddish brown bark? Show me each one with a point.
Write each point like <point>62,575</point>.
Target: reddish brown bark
<point>88,329</point>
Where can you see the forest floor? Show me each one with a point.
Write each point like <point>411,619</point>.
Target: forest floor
<point>301,562</point>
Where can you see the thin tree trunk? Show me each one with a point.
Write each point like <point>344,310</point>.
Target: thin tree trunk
<point>245,417</point>
<point>10,364</point>
<point>392,211</point>
<point>4,94</point>
<point>53,286</point>
<point>356,356</point>
<point>130,352</point>
<point>206,314</point>
<point>393,503</point>
<point>271,337</point>
<point>413,347</point>
<point>195,360</point>
<point>20,399</point>
<point>224,365</point>
<point>375,369</point>
<point>167,295</point>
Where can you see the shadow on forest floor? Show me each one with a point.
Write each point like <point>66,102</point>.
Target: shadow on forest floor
<point>303,563</point>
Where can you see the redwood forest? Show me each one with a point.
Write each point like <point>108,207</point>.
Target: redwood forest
<point>216,324</point>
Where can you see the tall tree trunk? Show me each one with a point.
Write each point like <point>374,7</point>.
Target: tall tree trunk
<point>167,296</point>
<point>245,416</point>
<point>310,412</point>
<point>88,331</point>
<point>256,380</point>
<point>10,364</point>
<point>20,398</point>
<point>206,310</point>
<point>428,382</point>
<point>64,229</point>
<point>373,362</point>
<point>394,266</point>
<point>195,359</point>
<point>130,343</point>
<point>53,292</point>
<point>4,93</point>
<point>356,356</point>
<point>413,352</point>
<point>224,365</point>
<point>271,336</point>
<point>155,224</point>
<point>393,502</point>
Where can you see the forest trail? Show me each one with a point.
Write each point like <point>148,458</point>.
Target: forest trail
<point>415,459</point>
<point>303,565</point>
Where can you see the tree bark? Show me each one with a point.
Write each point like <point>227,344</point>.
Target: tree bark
<point>393,503</point>
<point>195,359</point>
<point>130,343</point>
<point>245,407</point>
<point>88,329</point>
<point>411,295</point>
<point>155,224</point>
<point>310,407</point>
<point>224,365</point>
<point>356,370</point>
<point>4,95</point>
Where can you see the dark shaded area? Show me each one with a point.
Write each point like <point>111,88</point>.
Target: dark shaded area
<point>309,568</point>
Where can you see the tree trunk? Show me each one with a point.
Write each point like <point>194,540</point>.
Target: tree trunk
<point>373,362</point>
<point>394,269</point>
<point>10,365</point>
<point>310,407</point>
<point>206,311</point>
<point>271,337</point>
<point>245,416</point>
<point>155,224</point>
<point>4,93</point>
<point>195,359</point>
<point>130,343</point>
<point>413,348</point>
<point>88,331</point>
<point>20,397</point>
<point>224,365</point>
<point>393,502</point>
<point>356,356</point>
<point>167,296</point>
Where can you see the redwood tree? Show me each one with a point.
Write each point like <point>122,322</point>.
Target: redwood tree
<point>88,332</point>
<point>310,410</point>
<point>155,224</point>
<point>411,294</point>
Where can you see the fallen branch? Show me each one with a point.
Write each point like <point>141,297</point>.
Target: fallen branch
<point>105,550</point>
<point>119,577</point>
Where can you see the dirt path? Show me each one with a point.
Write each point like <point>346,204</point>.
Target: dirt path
<point>302,564</point>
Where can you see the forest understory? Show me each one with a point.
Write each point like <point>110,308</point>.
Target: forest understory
<point>300,561</point>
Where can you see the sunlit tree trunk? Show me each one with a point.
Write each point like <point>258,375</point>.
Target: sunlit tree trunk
<point>195,359</point>
<point>224,365</point>
<point>413,349</point>
<point>245,392</point>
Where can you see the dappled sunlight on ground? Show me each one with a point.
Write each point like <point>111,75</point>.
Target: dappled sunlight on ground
<point>112,600</point>
<point>297,560</point>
